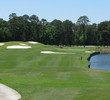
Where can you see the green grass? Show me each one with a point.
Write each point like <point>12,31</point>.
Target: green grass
<point>39,76</point>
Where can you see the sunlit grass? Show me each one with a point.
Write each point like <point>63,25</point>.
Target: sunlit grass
<point>39,76</point>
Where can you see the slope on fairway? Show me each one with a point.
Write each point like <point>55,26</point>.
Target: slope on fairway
<point>39,76</point>
<point>7,93</point>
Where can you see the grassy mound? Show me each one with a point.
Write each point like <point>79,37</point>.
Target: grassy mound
<point>38,76</point>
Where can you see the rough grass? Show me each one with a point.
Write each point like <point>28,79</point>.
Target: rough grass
<point>39,76</point>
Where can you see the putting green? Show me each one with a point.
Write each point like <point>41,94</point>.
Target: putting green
<point>39,76</point>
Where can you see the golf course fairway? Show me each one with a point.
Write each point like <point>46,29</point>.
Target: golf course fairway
<point>56,76</point>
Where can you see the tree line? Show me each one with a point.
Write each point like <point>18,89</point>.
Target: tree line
<point>57,32</point>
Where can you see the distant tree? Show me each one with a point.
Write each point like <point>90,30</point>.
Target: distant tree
<point>43,34</point>
<point>4,31</point>
<point>34,27</point>
<point>104,31</point>
<point>16,27</point>
<point>13,15</point>
<point>44,22</point>
<point>78,36</point>
<point>58,31</point>
<point>26,28</point>
<point>92,34</point>
<point>82,22</point>
<point>67,32</point>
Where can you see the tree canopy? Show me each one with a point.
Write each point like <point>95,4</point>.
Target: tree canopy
<point>56,32</point>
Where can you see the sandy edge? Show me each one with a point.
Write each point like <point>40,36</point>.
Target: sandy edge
<point>51,52</point>
<point>2,44</point>
<point>7,93</point>
<point>48,52</point>
<point>32,42</point>
<point>22,44</point>
<point>89,51</point>
<point>18,47</point>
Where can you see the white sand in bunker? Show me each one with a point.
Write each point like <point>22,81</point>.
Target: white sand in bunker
<point>32,42</point>
<point>48,52</point>
<point>89,51</point>
<point>18,47</point>
<point>2,44</point>
<point>7,93</point>
<point>51,52</point>
<point>22,44</point>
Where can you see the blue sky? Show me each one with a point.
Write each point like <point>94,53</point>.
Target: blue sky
<point>96,10</point>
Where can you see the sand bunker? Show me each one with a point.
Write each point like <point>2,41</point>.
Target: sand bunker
<point>88,51</point>
<point>2,44</point>
<point>6,93</point>
<point>32,42</point>
<point>22,44</point>
<point>51,52</point>
<point>18,47</point>
<point>48,52</point>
